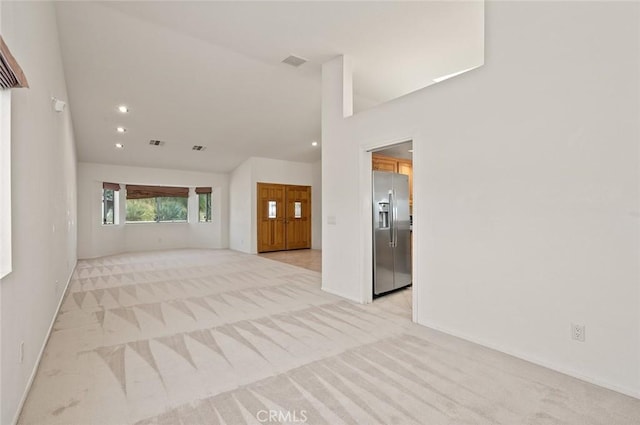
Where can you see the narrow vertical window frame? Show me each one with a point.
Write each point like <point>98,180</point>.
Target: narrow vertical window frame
<point>108,207</point>
<point>204,204</point>
<point>204,207</point>
<point>110,204</point>
<point>5,184</point>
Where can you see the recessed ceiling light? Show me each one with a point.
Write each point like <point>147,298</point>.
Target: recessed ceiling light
<point>314,143</point>
<point>121,129</point>
<point>119,146</point>
<point>123,109</point>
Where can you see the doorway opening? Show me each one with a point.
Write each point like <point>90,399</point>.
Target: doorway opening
<point>392,227</point>
<point>284,217</point>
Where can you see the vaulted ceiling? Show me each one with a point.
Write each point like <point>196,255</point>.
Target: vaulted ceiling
<point>210,73</point>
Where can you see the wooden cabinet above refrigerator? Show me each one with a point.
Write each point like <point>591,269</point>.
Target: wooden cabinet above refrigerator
<point>394,165</point>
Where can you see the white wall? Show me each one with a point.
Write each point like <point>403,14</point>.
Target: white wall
<point>526,189</point>
<point>96,240</point>
<point>316,205</point>
<point>43,198</point>
<point>243,183</point>
<point>240,210</point>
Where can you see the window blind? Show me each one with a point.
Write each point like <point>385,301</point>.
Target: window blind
<point>142,192</point>
<point>200,190</point>
<point>11,75</point>
<point>111,186</point>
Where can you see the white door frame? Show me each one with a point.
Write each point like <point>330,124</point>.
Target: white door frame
<point>366,240</point>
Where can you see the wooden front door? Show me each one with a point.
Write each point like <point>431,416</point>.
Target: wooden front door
<point>284,217</point>
<point>271,217</point>
<point>298,220</point>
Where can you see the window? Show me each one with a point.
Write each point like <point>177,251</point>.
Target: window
<point>204,210</point>
<point>159,209</point>
<point>273,209</point>
<point>297,209</point>
<point>159,204</point>
<point>204,204</point>
<point>110,203</point>
<point>108,215</point>
<point>11,76</point>
<point>5,183</point>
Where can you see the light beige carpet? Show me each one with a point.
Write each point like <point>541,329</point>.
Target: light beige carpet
<point>218,337</point>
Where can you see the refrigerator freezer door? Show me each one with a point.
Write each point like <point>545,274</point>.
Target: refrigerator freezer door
<point>402,252</point>
<point>383,268</point>
<point>402,265</point>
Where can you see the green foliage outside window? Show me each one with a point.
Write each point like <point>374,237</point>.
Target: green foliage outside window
<point>204,207</point>
<point>108,208</point>
<point>160,209</point>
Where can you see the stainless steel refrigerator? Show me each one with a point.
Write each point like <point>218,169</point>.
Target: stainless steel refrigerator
<point>391,232</point>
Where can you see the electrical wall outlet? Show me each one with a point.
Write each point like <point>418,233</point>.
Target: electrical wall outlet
<point>578,332</point>
<point>21,352</point>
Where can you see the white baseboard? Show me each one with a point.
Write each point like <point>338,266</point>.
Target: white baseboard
<point>44,345</point>
<point>333,292</point>
<point>544,363</point>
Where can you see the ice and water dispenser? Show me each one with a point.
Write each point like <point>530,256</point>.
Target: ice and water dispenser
<point>383,214</point>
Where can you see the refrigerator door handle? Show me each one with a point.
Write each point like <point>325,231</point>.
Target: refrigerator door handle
<point>392,221</point>
<point>394,217</point>
<point>395,220</point>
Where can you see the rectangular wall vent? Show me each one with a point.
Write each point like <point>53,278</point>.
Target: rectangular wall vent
<point>198,148</point>
<point>294,60</point>
<point>156,143</point>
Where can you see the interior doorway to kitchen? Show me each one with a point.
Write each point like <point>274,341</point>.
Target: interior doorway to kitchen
<point>392,226</point>
<point>284,217</point>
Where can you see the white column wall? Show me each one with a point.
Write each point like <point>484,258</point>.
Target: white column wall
<point>316,207</point>
<point>240,184</point>
<point>341,262</point>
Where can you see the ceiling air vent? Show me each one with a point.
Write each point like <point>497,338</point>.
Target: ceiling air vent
<point>156,143</point>
<point>198,148</point>
<point>294,61</point>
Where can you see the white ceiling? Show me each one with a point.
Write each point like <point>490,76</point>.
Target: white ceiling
<point>210,73</point>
